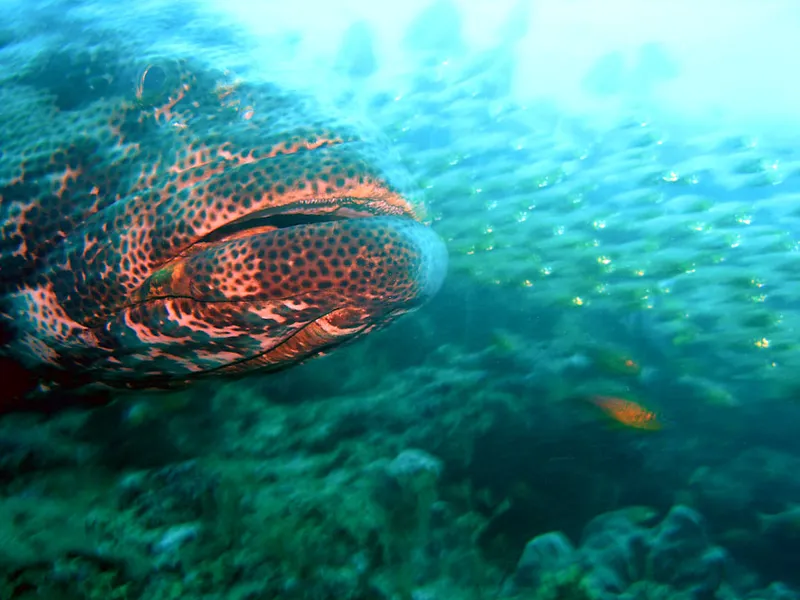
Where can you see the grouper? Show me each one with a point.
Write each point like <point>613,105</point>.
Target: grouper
<point>184,223</point>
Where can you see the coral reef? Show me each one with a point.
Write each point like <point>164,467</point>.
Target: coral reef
<point>388,487</point>
<point>620,558</point>
<point>455,456</point>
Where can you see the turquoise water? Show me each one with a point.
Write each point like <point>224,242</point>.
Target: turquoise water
<point>600,402</point>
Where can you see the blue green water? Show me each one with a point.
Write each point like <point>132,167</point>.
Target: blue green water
<point>618,246</point>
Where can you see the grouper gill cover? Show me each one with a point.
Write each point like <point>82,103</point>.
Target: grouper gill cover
<point>165,219</point>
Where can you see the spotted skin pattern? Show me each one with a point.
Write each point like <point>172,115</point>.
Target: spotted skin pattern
<point>193,224</point>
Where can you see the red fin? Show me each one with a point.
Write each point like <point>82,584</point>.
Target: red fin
<point>18,384</point>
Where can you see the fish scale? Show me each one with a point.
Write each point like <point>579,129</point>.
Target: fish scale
<point>192,223</point>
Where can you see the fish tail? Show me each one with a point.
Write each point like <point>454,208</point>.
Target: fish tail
<point>599,401</point>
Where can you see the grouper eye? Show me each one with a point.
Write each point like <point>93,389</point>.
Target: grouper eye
<point>156,81</point>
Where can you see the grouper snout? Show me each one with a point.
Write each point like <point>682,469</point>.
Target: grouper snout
<point>271,298</point>
<point>430,268</point>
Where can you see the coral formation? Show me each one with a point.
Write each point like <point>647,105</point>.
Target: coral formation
<point>620,558</point>
<point>456,457</point>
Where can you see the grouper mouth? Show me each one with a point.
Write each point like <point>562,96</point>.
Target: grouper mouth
<point>270,220</point>
<point>314,280</point>
<point>331,247</point>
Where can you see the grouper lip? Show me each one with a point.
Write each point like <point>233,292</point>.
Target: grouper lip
<point>288,346</point>
<point>292,216</point>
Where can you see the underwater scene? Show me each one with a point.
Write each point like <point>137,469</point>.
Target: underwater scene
<point>431,300</point>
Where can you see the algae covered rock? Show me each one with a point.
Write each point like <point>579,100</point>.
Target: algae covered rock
<point>776,591</point>
<point>616,546</point>
<point>544,553</point>
<point>415,469</point>
<point>64,547</point>
<point>621,558</point>
<point>681,555</point>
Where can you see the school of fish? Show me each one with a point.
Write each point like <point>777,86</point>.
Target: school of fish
<point>149,208</point>
<point>686,240</point>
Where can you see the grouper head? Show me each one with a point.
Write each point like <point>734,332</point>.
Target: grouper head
<point>192,224</point>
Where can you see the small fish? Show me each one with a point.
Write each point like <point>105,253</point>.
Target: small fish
<point>738,537</point>
<point>641,515</point>
<point>637,514</point>
<point>505,342</point>
<point>607,360</point>
<point>627,412</point>
<point>614,362</point>
<point>784,524</point>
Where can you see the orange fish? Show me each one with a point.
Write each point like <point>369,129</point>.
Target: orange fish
<point>627,412</point>
<point>616,363</point>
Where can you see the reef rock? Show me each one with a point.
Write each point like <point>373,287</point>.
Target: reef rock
<point>619,557</point>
